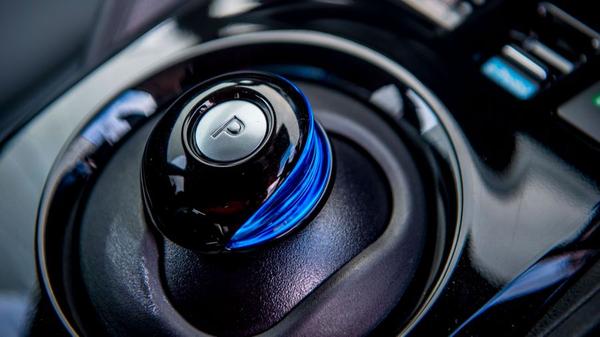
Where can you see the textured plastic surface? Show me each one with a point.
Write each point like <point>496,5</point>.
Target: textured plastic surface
<point>244,294</point>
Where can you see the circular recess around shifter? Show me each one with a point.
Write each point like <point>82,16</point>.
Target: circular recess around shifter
<point>245,294</point>
<point>366,251</point>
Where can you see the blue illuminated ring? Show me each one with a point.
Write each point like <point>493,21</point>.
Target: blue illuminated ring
<point>295,199</point>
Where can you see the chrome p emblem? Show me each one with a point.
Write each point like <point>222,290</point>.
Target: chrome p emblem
<point>233,127</point>
<point>230,131</point>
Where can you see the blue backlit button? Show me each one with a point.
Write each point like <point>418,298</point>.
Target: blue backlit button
<point>231,131</point>
<point>583,112</point>
<point>509,78</point>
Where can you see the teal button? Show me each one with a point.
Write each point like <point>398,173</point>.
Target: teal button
<point>509,78</point>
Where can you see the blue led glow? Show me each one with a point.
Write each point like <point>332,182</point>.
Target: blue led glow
<point>509,78</point>
<point>295,199</point>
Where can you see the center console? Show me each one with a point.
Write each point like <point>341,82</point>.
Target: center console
<point>322,168</point>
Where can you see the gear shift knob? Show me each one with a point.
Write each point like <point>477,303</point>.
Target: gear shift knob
<point>235,162</point>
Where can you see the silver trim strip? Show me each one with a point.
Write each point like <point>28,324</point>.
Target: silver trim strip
<point>549,56</point>
<point>524,61</point>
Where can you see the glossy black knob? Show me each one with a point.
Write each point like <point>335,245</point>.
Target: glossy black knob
<point>235,162</point>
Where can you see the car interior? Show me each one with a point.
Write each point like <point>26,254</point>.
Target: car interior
<point>300,168</point>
